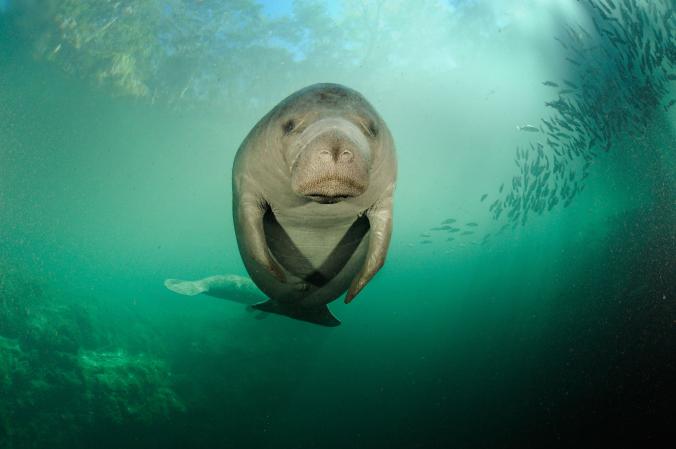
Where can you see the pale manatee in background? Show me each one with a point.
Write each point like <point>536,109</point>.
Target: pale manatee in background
<point>229,286</point>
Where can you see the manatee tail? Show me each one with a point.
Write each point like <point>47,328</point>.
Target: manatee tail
<point>318,315</point>
<point>228,286</point>
<point>188,288</point>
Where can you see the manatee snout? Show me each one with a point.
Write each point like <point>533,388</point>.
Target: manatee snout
<point>332,147</point>
<point>333,162</point>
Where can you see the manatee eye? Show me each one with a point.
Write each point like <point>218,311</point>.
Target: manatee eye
<point>288,126</point>
<point>369,127</point>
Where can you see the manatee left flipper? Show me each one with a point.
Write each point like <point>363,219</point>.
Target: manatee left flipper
<point>380,221</point>
<point>318,315</point>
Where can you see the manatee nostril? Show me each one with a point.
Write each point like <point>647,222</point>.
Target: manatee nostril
<point>346,156</point>
<point>336,152</point>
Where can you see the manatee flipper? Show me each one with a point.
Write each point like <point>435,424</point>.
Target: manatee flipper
<point>251,234</point>
<point>318,315</point>
<point>380,220</point>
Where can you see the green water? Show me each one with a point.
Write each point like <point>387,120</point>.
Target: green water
<point>556,330</point>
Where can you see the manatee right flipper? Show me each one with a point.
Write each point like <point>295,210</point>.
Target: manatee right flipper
<point>318,315</point>
<point>249,212</point>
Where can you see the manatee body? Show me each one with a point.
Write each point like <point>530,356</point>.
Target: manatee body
<point>312,200</point>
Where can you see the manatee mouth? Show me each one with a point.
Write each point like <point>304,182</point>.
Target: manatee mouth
<point>325,199</point>
<point>331,189</point>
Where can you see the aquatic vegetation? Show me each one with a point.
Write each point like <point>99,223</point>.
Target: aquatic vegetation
<point>55,382</point>
<point>10,353</point>
<point>114,41</point>
<point>196,52</point>
<point>159,50</point>
<point>122,388</point>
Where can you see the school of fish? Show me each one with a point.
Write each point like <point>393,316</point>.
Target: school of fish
<point>622,67</point>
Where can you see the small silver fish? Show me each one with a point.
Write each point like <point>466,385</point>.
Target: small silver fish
<point>570,84</point>
<point>529,128</point>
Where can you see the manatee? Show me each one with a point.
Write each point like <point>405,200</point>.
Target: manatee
<point>229,286</point>
<point>313,186</point>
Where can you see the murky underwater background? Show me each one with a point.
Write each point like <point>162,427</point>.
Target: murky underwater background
<point>528,296</point>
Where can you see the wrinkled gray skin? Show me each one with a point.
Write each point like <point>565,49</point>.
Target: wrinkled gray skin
<point>312,200</point>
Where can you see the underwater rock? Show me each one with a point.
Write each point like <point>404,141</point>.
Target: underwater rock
<point>123,388</point>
